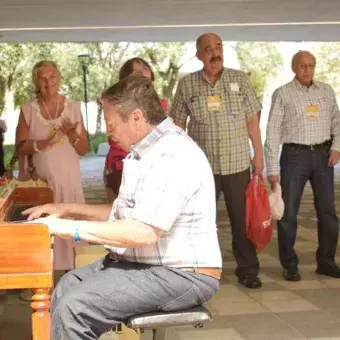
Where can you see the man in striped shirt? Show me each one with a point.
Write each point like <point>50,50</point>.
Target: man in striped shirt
<point>224,110</point>
<point>305,118</point>
<point>161,234</point>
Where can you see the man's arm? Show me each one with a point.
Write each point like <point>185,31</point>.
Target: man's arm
<point>335,127</point>
<point>120,233</point>
<point>255,137</point>
<point>86,212</point>
<point>155,211</point>
<point>179,109</point>
<point>335,132</point>
<point>90,212</point>
<point>273,138</point>
<point>252,108</point>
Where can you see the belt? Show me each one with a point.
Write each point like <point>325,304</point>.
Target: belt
<point>309,147</point>
<point>213,272</point>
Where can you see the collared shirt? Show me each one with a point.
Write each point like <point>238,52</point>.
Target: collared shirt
<point>289,120</point>
<point>223,135</point>
<point>167,183</point>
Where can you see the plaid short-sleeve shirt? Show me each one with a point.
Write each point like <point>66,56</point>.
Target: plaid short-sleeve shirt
<point>223,134</point>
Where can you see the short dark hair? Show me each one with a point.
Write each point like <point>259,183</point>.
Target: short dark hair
<point>127,69</point>
<point>135,92</point>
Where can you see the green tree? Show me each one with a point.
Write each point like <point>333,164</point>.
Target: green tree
<point>167,59</point>
<point>106,60</point>
<point>327,62</point>
<point>16,62</point>
<point>261,61</point>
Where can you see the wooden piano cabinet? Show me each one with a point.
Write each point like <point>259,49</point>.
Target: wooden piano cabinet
<point>25,262</point>
<point>26,257</point>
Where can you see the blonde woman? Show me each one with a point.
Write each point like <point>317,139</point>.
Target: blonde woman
<point>54,134</point>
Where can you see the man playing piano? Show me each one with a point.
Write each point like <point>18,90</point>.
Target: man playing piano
<point>160,232</point>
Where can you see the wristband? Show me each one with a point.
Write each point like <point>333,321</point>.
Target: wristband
<point>76,236</point>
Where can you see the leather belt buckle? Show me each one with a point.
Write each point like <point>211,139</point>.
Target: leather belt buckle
<point>213,272</point>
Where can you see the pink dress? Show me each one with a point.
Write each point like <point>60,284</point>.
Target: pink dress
<point>59,167</point>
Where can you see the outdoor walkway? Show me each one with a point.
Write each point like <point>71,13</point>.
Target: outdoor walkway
<point>309,309</point>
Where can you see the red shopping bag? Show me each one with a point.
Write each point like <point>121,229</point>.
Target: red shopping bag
<point>258,222</point>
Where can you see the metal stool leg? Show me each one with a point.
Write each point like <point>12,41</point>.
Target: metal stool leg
<point>159,334</point>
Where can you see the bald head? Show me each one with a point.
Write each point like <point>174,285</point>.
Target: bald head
<point>210,53</point>
<point>303,65</point>
<point>204,36</point>
<point>302,55</point>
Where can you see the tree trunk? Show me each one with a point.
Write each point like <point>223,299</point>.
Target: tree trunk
<point>172,78</point>
<point>8,108</point>
<point>99,116</point>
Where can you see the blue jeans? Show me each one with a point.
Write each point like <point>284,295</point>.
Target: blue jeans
<point>90,300</point>
<point>299,165</point>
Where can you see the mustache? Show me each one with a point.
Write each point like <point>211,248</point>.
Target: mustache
<point>216,58</point>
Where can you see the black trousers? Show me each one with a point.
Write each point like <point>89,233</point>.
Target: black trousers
<point>234,188</point>
<point>299,165</point>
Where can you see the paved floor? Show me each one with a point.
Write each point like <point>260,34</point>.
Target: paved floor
<point>309,309</point>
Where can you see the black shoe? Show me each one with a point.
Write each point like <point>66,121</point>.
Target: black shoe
<point>291,274</point>
<point>251,282</point>
<point>329,270</point>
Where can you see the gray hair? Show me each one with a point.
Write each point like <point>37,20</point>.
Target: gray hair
<point>37,67</point>
<point>135,92</point>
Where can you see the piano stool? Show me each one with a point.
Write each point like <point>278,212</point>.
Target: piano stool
<point>158,322</point>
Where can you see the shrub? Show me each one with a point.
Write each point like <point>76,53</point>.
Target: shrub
<point>8,153</point>
<point>95,140</point>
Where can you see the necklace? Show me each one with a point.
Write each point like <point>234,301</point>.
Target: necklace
<point>48,112</point>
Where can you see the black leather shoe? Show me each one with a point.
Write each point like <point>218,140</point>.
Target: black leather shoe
<point>251,282</point>
<point>291,274</point>
<point>329,270</point>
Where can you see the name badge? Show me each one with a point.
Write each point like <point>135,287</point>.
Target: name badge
<point>214,103</point>
<point>234,87</point>
<point>312,112</point>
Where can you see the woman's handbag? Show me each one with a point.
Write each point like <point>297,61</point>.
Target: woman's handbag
<point>32,180</point>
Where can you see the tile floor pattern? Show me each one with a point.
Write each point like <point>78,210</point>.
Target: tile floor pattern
<point>309,309</point>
